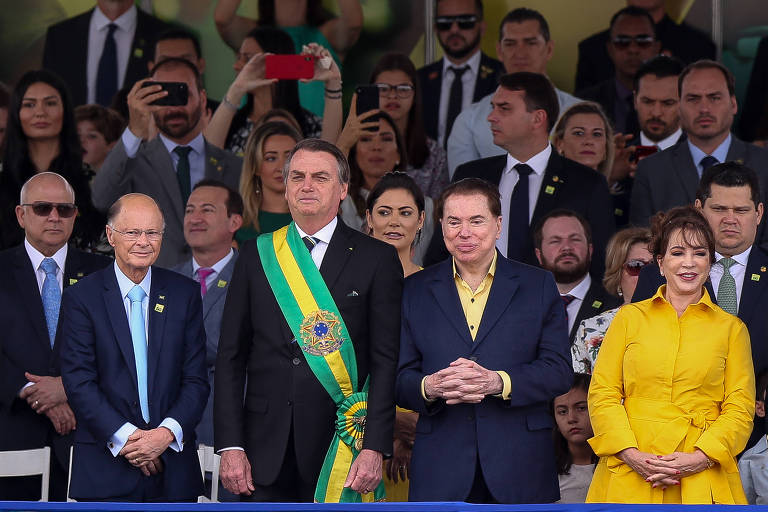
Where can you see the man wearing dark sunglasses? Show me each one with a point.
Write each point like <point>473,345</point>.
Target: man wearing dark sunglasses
<point>34,411</point>
<point>632,41</point>
<point>678,39</point>
<point>459,27</point>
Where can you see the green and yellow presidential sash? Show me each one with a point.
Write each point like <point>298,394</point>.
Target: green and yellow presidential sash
<point>319,329</point>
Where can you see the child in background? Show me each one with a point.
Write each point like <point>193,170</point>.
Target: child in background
<point>98,128</point>
<point>574,457</point>
<point>753,465</point>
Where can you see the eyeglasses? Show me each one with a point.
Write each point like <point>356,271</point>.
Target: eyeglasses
<point>402,90</point>
<point>44,208</point>
<point>465,21</point>
<point>641,40</point>
<point>132,235</point>
<point>633,267</point>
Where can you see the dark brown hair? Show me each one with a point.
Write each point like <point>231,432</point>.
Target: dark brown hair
<point>563,457</point>
<point>687,219</point>
<point>538,229</point>
<point>468,187</point>
<point>707,64</point>
<point>105,120</point>
<point>539,93</point>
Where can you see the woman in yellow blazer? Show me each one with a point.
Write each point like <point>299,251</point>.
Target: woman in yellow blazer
<point>673,391</point>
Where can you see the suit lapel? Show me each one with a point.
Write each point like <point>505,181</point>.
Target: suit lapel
<point>73,270</point>
<point>503,289</point>
<point>551,187</point>
<point>156,327</point>
<point>432,87</point>
<point>218,291</point>
<point>214,163</point>
<point>162,164</point>
<point>685,169</point>
<point>140,49</point>
<point>339,251</point>
<point>753,287</point>
<point>80,53</point>
<point>29,295</point>
<point>119,320</point>
<point>593,304</point>
<point>443,288</point>
<point>737,151</point>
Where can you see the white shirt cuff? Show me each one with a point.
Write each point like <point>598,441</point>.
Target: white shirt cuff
<point>178,434</point>
<point>25,387</point>
<point>231,448</point>
<point>131,143</point>
<point>119,438</point>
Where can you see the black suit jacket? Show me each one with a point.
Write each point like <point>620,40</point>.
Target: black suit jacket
<point>66,51</point>
<point>567,184</point>
<point>431,80</point>
<point>282,394</point>
<point>753,123</point>
<point>752,306</point>
<point>684,42</point>
<point>25,346</point>
<point>605,94</point>
<point>595,302</point>
<point>669,178</point>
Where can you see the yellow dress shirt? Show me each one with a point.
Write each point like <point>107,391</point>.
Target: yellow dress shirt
<point>664,383</point>
<point>473,303</point>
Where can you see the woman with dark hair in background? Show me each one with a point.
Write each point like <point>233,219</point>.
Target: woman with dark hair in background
<point>574,457</point>
<point>261,182</point>
<point>230,125</point>
<point>42,136</point>
<point>400,97</point>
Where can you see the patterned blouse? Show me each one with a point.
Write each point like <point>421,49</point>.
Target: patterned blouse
<point>242,127</point>
<point>589,337</point>
<point>432,177</point>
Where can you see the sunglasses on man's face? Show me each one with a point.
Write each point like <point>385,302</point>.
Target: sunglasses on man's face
<point>465,21</point>
<point>641,40</point>
<point>44,208</point>
<point>633,267</point>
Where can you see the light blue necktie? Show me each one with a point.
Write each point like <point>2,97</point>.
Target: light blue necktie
<point>139,337</point>
<point>51,296</point>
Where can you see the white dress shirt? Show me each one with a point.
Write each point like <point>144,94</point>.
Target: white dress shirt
<point>663,143</point>
<point>468,80</point>
<point>131,143</point>
<point>36,257</point>
<point>508,182</point>
<point>217,268</point>
<point>738,270</point>
<point>97,34</point>
<point>324,234</point>
<point>578,292</point>
<point>119,438</point>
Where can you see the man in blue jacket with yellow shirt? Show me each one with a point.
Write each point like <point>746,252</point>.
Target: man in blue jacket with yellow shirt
<point>460,318</point>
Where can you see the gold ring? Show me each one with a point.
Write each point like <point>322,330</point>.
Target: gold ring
<point>35,404</point>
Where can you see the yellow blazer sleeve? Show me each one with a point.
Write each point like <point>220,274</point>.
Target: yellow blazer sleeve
<point>609,419</point>
<point>729,433</point>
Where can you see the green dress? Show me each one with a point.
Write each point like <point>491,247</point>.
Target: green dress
<point>268,221</point>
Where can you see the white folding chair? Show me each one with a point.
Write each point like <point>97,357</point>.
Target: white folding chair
<point>28,463</point>
<point>209,463</point>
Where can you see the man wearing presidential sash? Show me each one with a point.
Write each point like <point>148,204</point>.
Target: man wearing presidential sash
<point>303,401</point>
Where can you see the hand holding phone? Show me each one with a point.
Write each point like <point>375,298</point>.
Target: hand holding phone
<point>367,100</point>
<point>290,67</point>
<point>178,93</point>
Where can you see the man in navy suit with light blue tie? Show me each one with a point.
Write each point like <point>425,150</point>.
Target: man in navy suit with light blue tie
<point>133,366</point>
<point>483,350</point>
<point>213,214</point>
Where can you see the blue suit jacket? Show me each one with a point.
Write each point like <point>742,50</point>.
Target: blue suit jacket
<point>213,309</point>
<point>99,374</point>
<point>523,332</point>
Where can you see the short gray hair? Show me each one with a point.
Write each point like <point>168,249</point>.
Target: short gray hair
<point>27,184</point>
<point>319,146</point>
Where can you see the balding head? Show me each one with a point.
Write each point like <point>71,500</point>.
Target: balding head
<point>135,229</point>
<point>47,212</point>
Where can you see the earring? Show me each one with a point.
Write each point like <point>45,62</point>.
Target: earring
<point>621,294</point>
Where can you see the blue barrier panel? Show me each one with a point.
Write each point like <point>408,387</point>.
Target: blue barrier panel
<point>359,507</point>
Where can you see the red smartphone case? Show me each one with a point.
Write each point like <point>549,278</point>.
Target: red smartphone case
<point>289,67</point>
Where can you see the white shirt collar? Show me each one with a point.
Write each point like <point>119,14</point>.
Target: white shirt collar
<point>324,234</point>
<point>473,62</point>
<point>197,144</point>
<point>126,21</point>
<point>739,258</point>
<point>663,143</point>
<point>537,162</point>
<point>218,266</point>
<point>580,290</point>
<point>126,285</point>
<point>36,257</point>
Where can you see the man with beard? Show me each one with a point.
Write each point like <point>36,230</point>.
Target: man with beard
<point>657,102</point>
<point>632,41</point>
<point>563,245</point>
<point>707,108</point>
<point>165,166</point>
<point>459,26</point>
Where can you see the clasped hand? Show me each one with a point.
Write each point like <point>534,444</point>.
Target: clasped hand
<point>664,470</point>
<point>464,381</point>
<point>144,447</point>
